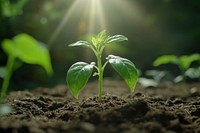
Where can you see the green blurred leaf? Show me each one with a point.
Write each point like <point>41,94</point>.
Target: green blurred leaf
<point>165,59</point>
<point>193,73</point>
<point>77,76</point>
<point>185,61</point>
<point>9,48</point>
<point>126,69</point>
<point>28,50</point>
<point>12,9</point>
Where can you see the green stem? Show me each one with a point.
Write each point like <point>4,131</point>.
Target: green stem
<point>6,79</point>
<point>100,71</point>
<point>183,73</point>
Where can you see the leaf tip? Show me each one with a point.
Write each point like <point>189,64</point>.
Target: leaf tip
<point>71,45</point>
<point>125,38</point>
<point>76,96</point>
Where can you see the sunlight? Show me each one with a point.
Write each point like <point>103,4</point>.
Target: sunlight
<point>96,15</point>
<point>68,14</point>
<point>92,16</point>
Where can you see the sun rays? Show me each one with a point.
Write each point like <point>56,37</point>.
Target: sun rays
<point>64,21</point>
<point>89,10</point>
<point>96,18</point>
<point>92,16</point>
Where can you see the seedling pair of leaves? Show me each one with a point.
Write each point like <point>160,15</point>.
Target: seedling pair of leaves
<point>183,62</point>
<point>79,73</point>
<point>27,50</point>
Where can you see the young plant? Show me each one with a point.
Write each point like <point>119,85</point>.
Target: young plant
<point>79,73</point>
<point>183,62</point>
<point>26,49</point>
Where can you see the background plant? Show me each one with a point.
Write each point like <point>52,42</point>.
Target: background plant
<point>27,50</point>
<point>183,62</point>
<point>79,73</point>
<point>11,9</point>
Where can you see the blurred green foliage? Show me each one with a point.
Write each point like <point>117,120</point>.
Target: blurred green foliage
<point>154,28</point>
<point>183,62</point>
<point>27,50</point>
<point>11,9</point>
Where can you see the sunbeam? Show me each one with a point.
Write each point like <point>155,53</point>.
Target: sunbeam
<point>92,16</point>
<point>64,21</point>
<point>96,18</point>
<point>101,15</point>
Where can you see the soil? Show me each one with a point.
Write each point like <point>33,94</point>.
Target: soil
<point>165,109</point>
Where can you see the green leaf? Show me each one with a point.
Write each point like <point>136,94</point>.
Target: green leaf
<point>94,41</point>
<point>78,75</point>
<point>165,59</point>
<point>28,50</point>
<point>115,39</point>
<point>185,61</point>
<point>101,36</point>
<point>126,69</point>
<point>193,73</point>
<point>98,41</point>
<point>9,48</point>
<point>81,43</point>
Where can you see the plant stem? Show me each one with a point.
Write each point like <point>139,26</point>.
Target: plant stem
<point>100,71</point>
<point>6,79</point>
<point>183,70</point>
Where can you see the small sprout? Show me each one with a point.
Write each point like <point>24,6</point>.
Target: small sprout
<point>193,73</point>
<point>79,73</point>
<point>26,49</point>
<point>183,62</point>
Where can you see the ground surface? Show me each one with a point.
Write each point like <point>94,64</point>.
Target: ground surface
<point>165,109</point>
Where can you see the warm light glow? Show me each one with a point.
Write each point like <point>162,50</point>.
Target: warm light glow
<point>63,22</point>
<point>91,9</point>
<point>96,15</point>
<point>92,16</point>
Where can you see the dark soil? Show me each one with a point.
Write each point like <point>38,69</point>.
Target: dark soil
<point>165,109</point>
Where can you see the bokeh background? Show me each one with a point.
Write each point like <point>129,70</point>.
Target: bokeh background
<point>154,28</point>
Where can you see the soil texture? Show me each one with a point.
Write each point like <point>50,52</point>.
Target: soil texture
<point>165,109</point>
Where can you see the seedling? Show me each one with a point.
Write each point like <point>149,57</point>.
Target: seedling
<point>183,62</point>
<point>27,50</point>
<point>79,73</point>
